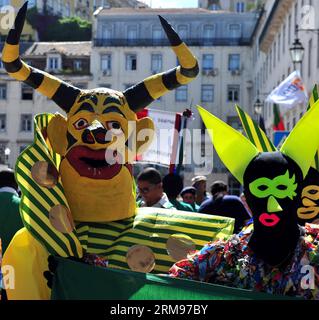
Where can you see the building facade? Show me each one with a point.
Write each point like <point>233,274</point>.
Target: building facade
<point>19,103</point>
<point>129,45</point>
<point>275,35</point>
<point>242,57</point>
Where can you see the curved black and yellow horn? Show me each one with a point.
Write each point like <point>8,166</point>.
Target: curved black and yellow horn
<point>62,93</point>
<point>150,89</point>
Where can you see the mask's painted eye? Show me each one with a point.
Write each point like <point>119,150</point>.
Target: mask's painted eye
<point>114,126</point>
<point>80,124</point>
<point>262,187</point>
<point>282,187</point>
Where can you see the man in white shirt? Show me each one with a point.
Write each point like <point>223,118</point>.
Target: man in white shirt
<point>150,188</point>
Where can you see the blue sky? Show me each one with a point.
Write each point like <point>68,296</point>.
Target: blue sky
<point>172,3</point>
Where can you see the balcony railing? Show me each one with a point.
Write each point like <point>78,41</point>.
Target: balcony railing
<point>164,42</point>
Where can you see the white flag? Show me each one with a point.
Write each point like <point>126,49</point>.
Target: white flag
<point>290,92</point>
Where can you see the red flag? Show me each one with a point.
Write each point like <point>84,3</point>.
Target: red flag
<point>278,120</point>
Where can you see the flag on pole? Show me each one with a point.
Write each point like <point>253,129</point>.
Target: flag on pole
<point>176,143</point>
<point>278,120</point>
<point>178,156</point>
<point>290,92</point>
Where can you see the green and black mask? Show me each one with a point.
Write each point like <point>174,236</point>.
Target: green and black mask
<point>272,180</point>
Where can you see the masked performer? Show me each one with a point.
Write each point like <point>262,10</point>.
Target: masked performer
<point>308,199</point>
<point>278,256</point>
<point>78,196</point>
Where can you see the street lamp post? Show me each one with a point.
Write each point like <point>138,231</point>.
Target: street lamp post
<point>296,52</point>
<point>258,108</point>
<point>7,152</point>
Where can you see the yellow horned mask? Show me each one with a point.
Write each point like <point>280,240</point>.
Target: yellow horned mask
<point>95,171</point>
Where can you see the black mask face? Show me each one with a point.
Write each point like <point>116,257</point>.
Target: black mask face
<point>271,186</point>
<point>308,206</point>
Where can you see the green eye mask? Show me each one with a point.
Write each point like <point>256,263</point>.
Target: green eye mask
<point>279,187</point>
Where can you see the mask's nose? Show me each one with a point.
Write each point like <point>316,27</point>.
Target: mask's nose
<point>273,205</point>
<point>95,133</point>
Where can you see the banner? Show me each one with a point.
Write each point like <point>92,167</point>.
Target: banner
<point>78,281</point>
<point>290,92</point>
<point>165,142</point>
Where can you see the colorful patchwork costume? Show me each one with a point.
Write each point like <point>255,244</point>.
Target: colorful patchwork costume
<point>78,196</point>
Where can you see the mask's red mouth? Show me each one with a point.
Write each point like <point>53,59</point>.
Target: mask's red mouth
<point>269,220</point>
<point>95,164</point>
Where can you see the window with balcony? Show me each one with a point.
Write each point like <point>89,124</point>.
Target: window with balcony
<point>26,123</point>
<point>157,34</point>
<point>60,7</point>
<point>182,30</point>
<point>283,38</point>
<point>181,94</point>
<point>67,9</point>
<point>106,62</point>
<point>132,33</point>
<point>77,65</point>
<point>233,62</point>
<point>156,62</point>
<point>53,63</point>
<point>208,62</point>
<point>3,122</point>
<point>310,65</point>
<point>208,32</point>
<point>3,91</point>
<point>233,93</point>
<point>289,29</point>
<point>275,50</point>
<point>131,62</point>
<point>106,32</point>
<point>240,7</point>
<point>214,7</point>
<point>26,92</point>
<point>207,93</point>
<point>234,30</point>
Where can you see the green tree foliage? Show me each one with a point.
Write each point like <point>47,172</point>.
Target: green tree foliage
<point>54,28</point>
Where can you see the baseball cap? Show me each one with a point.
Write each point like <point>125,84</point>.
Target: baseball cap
<point>191,190</point>
<point>198,178</point>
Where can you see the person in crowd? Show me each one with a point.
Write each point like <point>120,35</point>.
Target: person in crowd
<point>226,205</point>
<point>172,186</point>
<point>199,183</point>
<point>243,200</point>
<point>150,188</point>
<point>10,220</point>
<point>188,195</point>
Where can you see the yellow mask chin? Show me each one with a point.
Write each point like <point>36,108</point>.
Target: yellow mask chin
<point>98,200</point>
